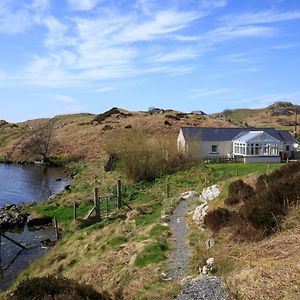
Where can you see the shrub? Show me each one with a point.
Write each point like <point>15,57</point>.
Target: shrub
<point>143,158</point>
<point>245,231</point>
<point>53,287</point>
<point>217,218</point>
<point>238,192</point>
<point>262,208</point>
<point>272,198</point>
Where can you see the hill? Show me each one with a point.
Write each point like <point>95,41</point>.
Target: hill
<point>82,136</point>
<point>280,115</point>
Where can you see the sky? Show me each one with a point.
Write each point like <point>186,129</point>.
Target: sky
<point>71,56</point>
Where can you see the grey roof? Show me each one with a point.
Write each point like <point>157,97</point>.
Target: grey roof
<point>228,134</point>
<point>287,136</point>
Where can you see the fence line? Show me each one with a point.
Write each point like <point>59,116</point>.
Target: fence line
<point>222,159</point>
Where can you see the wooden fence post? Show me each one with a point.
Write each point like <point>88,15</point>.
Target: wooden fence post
<point>97,204</point>
<point>268,168</point>
<point>74,211</point>
<point>167,189</point>
<point>56,228</point>
<point>119,203</point>
<point>107,207</point>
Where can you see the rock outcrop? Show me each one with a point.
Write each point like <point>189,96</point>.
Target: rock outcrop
<point>10,217</point>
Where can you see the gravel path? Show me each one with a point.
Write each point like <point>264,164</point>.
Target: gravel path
<point>203,287</point>
<point>179,256</point>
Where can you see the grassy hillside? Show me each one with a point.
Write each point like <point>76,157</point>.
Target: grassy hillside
<point>279,115</point>
<point>252,263</point>
<point>125,255</point>
<point>83,136</point>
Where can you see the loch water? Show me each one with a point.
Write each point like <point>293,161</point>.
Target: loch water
<point>26,184</point>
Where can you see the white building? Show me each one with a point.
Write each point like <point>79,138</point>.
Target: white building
<point>252,144</point>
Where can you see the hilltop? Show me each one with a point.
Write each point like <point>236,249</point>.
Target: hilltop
<point>280,115</point>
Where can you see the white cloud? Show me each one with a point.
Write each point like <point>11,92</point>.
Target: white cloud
<point>213,3</point>
<point>261,18</point>
<point>82,4</point>
<point>178,55</point>
<point>284,46</point>
<point>267,99</point>
<point>38,5</point>
<point>14,22</point>
<point>200,93</point>
<point>113,44</point>
<point>104,89</point>
<point>65,99</point>
<point>164,22</point>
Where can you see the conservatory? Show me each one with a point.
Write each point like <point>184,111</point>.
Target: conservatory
<point>255,144</point>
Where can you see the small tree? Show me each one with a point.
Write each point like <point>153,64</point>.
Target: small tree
<point>41,142</point>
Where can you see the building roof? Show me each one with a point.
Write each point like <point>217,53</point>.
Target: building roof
<point>254,135</point>
<point>287,136</point>
<point>228,134</point>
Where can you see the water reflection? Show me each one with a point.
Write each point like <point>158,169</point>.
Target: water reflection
<point>27,183</point>
<point>14,259</point>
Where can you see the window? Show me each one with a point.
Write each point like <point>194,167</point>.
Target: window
<point>287,148</point>
<point>214,148</point>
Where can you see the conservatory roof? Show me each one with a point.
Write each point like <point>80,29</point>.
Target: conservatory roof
<point>254,135</point>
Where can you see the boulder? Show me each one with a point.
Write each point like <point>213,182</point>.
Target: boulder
<point>210,261</point>
<point>210,193</point>
<point>209,267</point>
<point>36,220</point>
<point>199,213</point>
<point>189,195</point>
<point>204,270</point>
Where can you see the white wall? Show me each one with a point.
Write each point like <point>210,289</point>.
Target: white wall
<point>199,149</point>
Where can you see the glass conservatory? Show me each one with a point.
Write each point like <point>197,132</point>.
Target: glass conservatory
<point>255,143</point>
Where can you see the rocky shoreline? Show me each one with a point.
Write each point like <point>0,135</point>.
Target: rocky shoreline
<point>11,216</point>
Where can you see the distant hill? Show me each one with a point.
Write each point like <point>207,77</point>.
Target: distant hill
<point>279,115</point>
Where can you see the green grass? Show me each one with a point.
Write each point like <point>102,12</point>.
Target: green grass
<point>225,171</point>
<point>64,214</point>
<point>159,231</point>
<point>152,253</point>
<point>149,217</point>
<point>117,241</point>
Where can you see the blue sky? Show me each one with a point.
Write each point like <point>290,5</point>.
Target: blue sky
<point>69,56</point>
